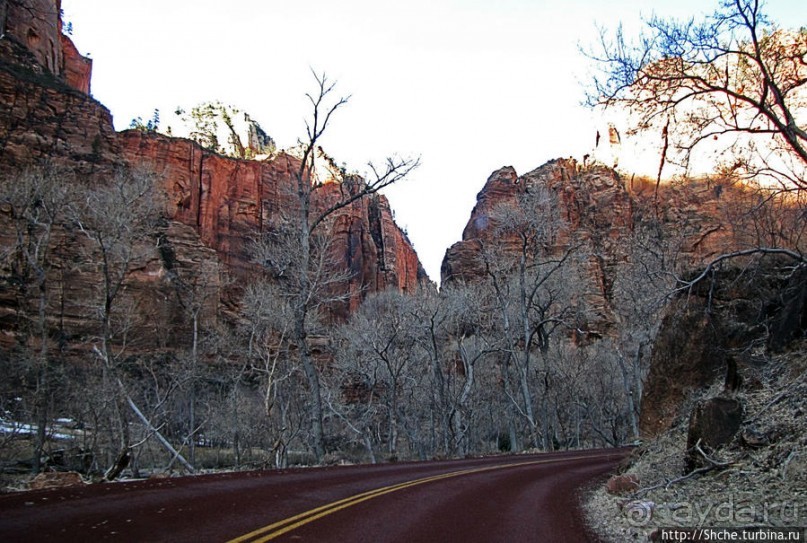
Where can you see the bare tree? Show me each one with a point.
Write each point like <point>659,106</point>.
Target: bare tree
<point>430,318</point>
<point>735,84</point>
<point>466,336</point>
<point>35,202</point>
<point>352,392</point>
<point>195,294</point>
<point>310,225</point>
<point>529,296</point>
<point>733,76</point>
<point>267,327</point>
<point>118,219</point>
<point>380,360</point>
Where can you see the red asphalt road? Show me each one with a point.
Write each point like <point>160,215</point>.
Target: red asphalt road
<point>524,498</point>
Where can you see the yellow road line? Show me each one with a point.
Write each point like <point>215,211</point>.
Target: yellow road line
<point>368,494</point>
<point>349,503</point>
<point>286,525</point>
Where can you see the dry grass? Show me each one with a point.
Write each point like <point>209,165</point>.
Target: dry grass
<point>763,486</point>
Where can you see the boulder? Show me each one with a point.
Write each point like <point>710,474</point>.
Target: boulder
<point>713,424</point>
<point>710,333</point>
<point>622,484</point>
<point>685,356</point>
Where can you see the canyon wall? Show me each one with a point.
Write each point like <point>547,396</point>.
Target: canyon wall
<point>634,238</point>
<point>601,213</point>
<point>215,204</point>
<point>230,201</point>
<point>36,25</point>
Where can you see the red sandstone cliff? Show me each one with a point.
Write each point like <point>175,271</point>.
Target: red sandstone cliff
<point>215,203</point>
<point>596,210</point>
<point>229,201</point>
<point>602,211</point>
<point>43,117</point>
<point>37,26</point>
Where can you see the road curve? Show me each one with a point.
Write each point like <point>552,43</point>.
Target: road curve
<point>503,498</point>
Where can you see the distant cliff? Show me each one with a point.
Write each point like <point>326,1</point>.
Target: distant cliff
<point>601,212</point>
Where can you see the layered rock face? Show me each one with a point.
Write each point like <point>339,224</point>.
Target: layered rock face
<point>231,201</point>
<point>46,118</point>
<point>151,302</point>
<point>601,209</point>
<point>216,204</point>
<point>596,211</point>
<point>37,26</point>
<point>718,332</point>
<point>43,118</point>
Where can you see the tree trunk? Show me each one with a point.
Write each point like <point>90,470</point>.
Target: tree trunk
<point>439,379</point>
<point>315,405</point>
<point>192,392</point>
<point>628,388</point>
<point>460,433</point>
<point>301,310</point>
<point>43,381</point>
<point>368,444</point>
<point>122,460</point>
<point>524,366</point>
<point>165,443</point>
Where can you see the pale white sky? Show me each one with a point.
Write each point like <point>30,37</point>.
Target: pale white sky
<point>468,85</point>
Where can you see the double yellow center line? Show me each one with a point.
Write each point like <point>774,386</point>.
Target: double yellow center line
<point>281,527</point>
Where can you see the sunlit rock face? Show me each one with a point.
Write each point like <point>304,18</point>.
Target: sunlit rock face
<point>77,69</point>
<point>219,127</point>
<point>595,213</point>
<point>231,201</point>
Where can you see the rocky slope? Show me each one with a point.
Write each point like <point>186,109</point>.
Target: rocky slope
<point>723,413</point>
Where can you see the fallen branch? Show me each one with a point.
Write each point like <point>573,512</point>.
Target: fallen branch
<point>669,482</point>
<point>151,428</point>
<point>714,463</point>
<point>157,434</point>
